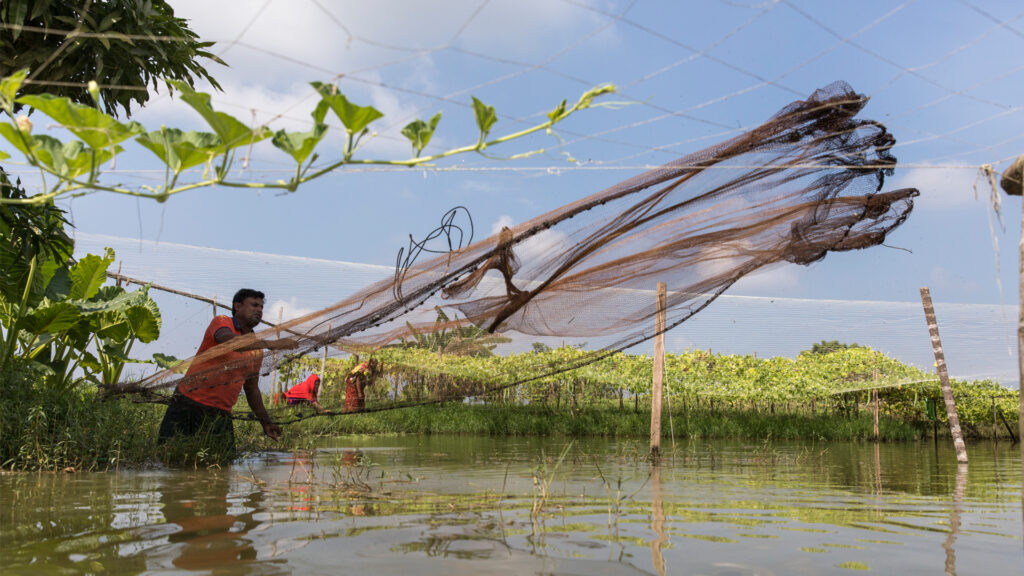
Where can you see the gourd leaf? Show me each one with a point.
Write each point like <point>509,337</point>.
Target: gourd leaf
<point>557,113</point>
<point>69,160</point>
<point>95,128</point>
<point>485,117</point>
<point>181,150</point>
<point>354,117</point>
<point>232,132</point>
<point>10,84</point>
<point>419,133</point>
<point>299,144</point>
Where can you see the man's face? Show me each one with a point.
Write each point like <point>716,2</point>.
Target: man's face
<point>250,311</point>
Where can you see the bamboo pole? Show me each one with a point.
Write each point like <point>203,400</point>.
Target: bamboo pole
<point>214,305</point>
<point>275,390</point>
<point>1012,182</point>
<point>994,427</point>
<point>874,394</point>
<point>657,522</point>
<point>659,371</point>
<point>940,367</point>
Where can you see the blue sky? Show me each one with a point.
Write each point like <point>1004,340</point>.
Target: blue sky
<point>944,76</point>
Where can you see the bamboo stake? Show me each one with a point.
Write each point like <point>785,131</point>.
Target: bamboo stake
<point>323,356</point>
<point>659,371</point>
<point>1012,182</point>
<point>214,305</point>
<point>657,522</point>
<point>940,367</point>
<point>875,395</point>
<point>994,428</point>
<point>275,390</point>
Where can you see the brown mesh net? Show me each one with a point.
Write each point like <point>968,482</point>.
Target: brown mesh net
<point>806,182</point>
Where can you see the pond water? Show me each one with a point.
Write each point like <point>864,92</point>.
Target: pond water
<point>466,505</point>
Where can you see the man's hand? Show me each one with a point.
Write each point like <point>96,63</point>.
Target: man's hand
<point>271,429</point>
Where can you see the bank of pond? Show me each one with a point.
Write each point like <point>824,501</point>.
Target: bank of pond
<point>826,397</point>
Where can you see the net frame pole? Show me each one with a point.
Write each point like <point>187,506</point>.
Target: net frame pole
<point>874,394</point>
<point>658,379</point>
<point>275,391</point>
<point>1020,351</point>
<point>940,367</point>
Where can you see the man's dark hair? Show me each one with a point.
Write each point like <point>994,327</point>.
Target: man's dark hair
<point>244,293</point>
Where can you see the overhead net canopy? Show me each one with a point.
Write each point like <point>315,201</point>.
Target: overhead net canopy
<point>806,182</point>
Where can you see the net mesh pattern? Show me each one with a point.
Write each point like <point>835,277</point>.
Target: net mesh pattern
<point>805,183</point>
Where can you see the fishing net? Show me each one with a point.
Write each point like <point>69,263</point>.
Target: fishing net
<point>806,182</point>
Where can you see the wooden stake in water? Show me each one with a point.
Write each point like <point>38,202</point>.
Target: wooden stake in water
<point>659,371</point>
<point>275,391</point>
<point>874,394</point>
<point>940,367</point>
<point>1012,182</point>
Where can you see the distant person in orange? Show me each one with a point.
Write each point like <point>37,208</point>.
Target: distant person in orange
<point>355,385</point>
<point>205,396</point>
<point>306,392</point>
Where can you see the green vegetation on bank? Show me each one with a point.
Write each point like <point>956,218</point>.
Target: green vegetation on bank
<point>811,397</point>
<point>609,421</point>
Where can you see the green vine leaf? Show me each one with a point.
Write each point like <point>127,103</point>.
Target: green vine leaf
<point>485,117</point>
<point>419,133</point>
<point>354,117</point>
<point>67,160</point>
<point>232,132</point>
<point>181,150</point>
<point>95,128</point>
<point>4,155</point>
<point>299,144</point>
<point>557,114</point>
<point>9,88</point>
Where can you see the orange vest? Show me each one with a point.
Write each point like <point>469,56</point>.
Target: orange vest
<point>217,381</point>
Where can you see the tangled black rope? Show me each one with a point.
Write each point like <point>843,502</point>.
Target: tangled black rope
<point>448,229</point>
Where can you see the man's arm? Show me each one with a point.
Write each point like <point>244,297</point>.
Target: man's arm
<point>222,335</point>
<point>255,400</point>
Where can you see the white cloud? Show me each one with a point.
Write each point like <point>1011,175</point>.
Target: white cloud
<point>541,245</point>
<point>288,310</point>
<point>504,221</point>
<point>769,282</point>
<point>942,189</point>
<point>281,39</point>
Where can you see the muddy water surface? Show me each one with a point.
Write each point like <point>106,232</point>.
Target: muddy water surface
<point>458,505</point>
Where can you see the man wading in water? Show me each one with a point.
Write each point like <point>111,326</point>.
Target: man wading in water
<point>203,400</point>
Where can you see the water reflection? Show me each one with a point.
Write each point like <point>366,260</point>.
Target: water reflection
<point>211,531</point>
<point>954,518</point>
<point>525,506</point>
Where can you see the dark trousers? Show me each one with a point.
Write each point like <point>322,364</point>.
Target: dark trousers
<point>186,417</point>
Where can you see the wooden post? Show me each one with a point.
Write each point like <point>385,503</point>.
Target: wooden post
<point>323,356</point>
<point>657,521</point>
<point>275,387</point>
<point>1012,182</point>
<point>940,367</point>
<point>994,430</point>
<point>874,394</point>
<point>214,305</point>
<point>659,371</point>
